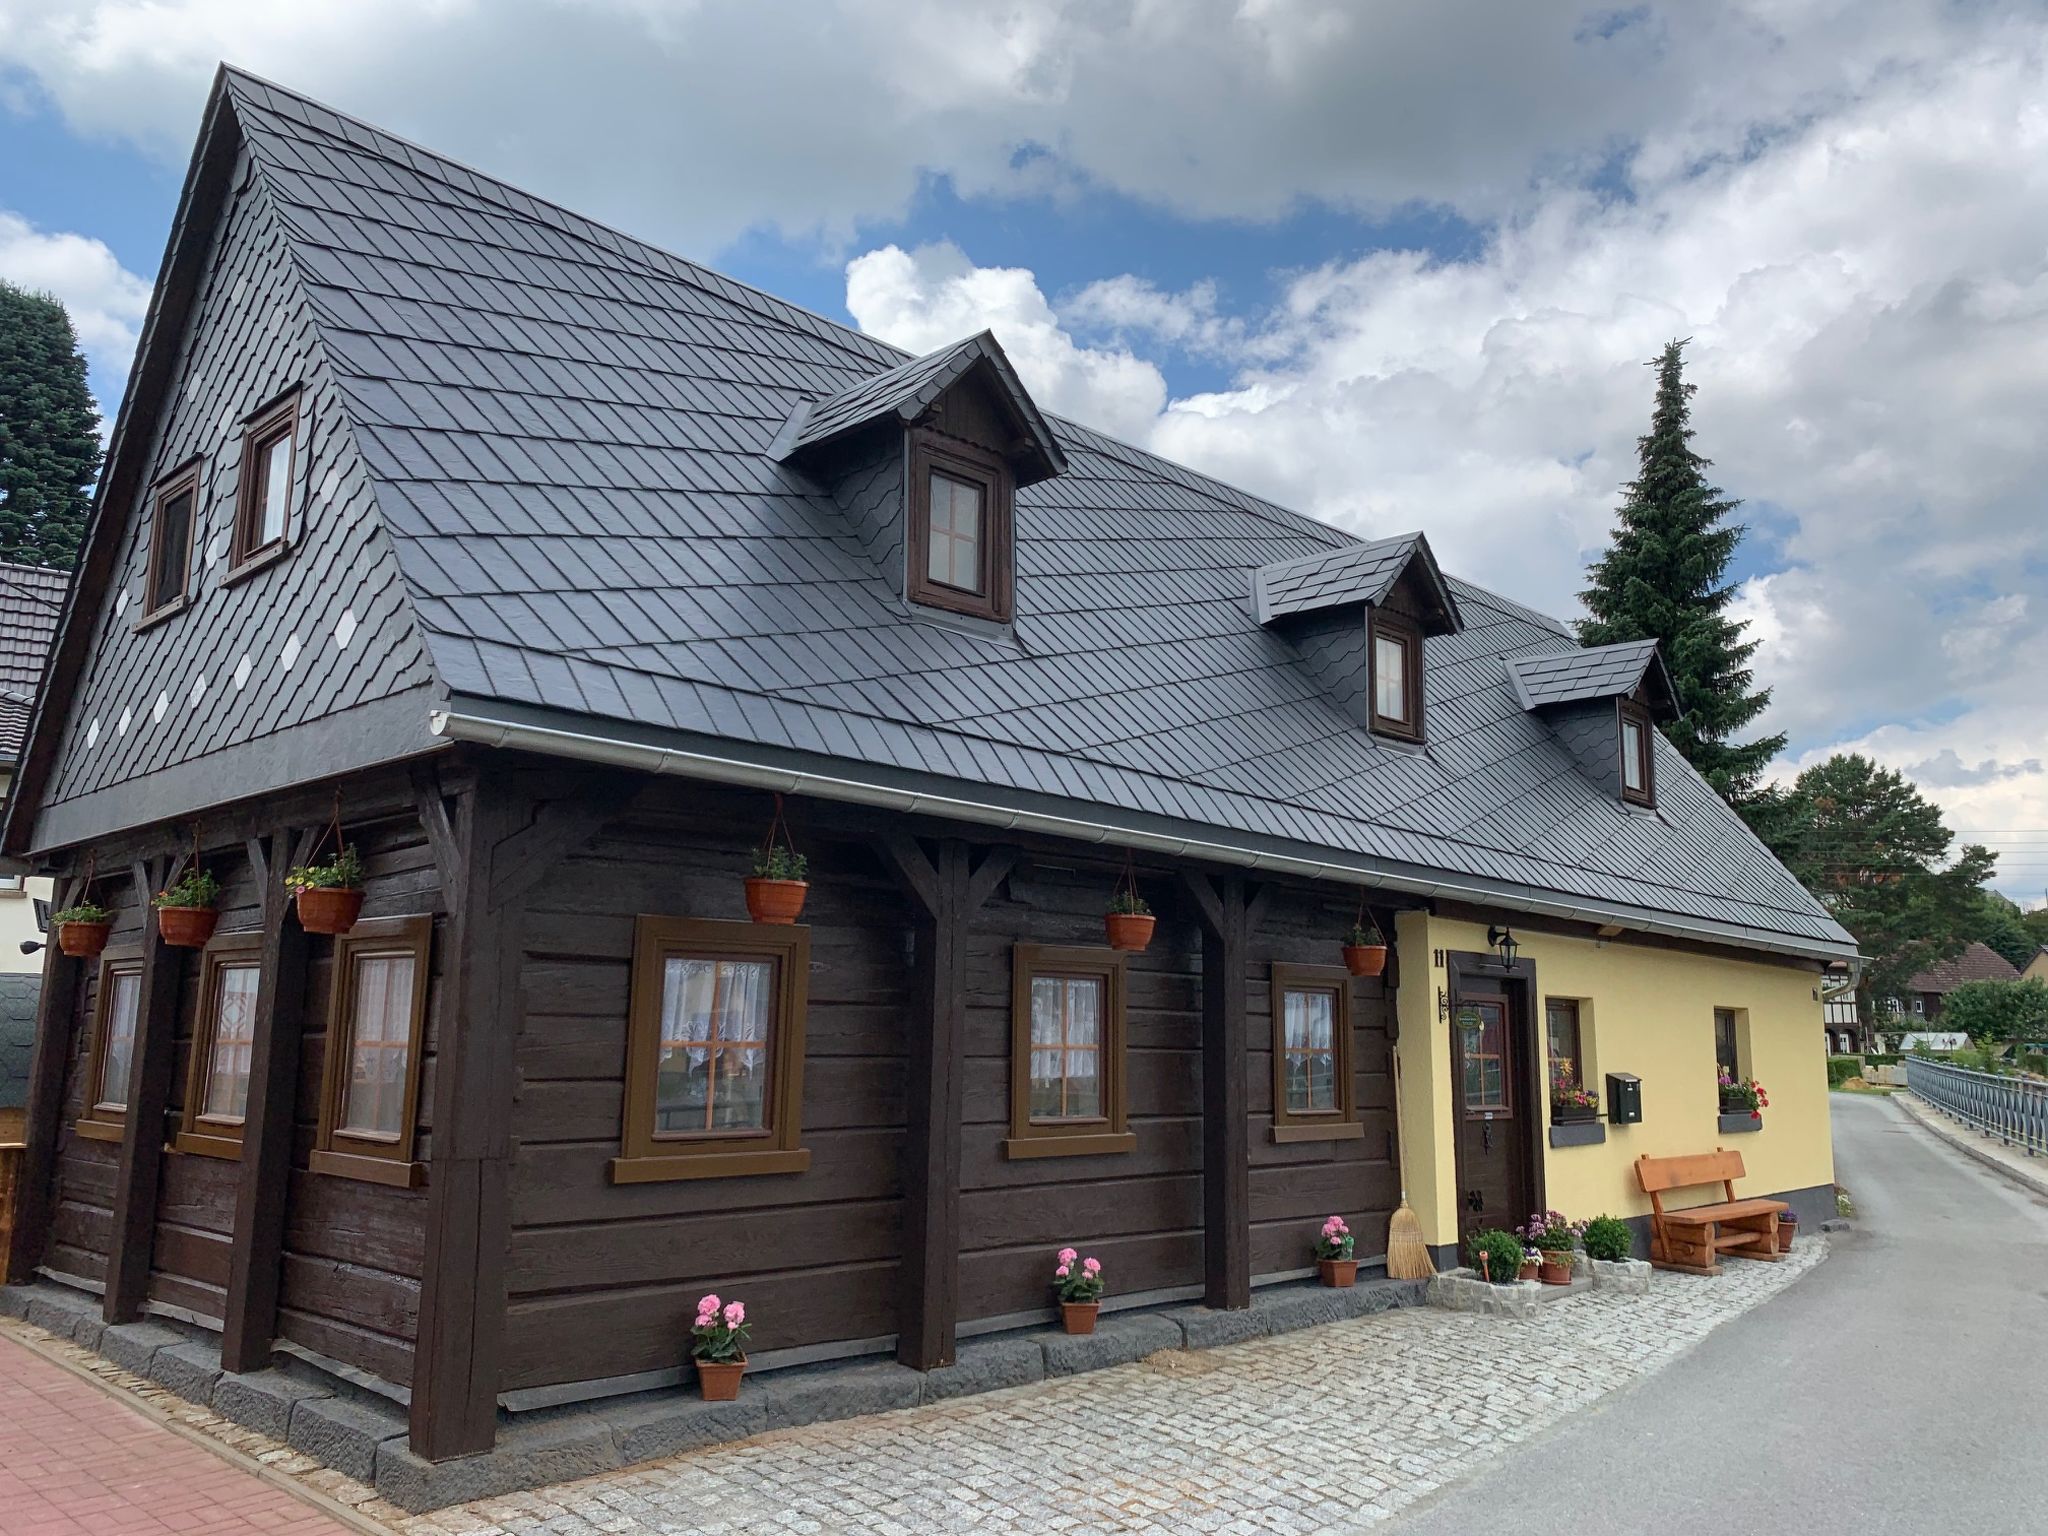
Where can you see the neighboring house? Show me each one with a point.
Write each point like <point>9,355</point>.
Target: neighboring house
<point>562,569</point>
<point>1842,1020</point>
<point>2037,968</point>
<point>30,599</point>
<point>1926,990</point>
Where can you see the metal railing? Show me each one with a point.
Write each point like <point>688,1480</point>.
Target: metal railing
<point>2013,1109</point>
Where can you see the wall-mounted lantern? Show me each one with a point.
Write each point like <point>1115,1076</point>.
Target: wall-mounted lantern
<point>1504,945</point>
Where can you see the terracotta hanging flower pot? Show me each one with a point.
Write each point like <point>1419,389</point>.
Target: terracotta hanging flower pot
<point>1365,959</point>
<point>719,1380</point>
<point>775,901</point>
<point>330,895</point>
<point>329,911</point>
<point>82,941</point>
<point>1129,931</point>
<point>185,913</point>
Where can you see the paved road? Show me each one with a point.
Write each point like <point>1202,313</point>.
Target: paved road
<point>1898,1388</point>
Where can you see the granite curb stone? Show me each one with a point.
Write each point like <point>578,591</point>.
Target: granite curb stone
<point>345,1433</point>
<point>1117,1340</point>
<point>133,1346</point>
<point>263,1400</point>
<point>191,1369</point>
<point>986,1365</point>
<point>559,1449</point>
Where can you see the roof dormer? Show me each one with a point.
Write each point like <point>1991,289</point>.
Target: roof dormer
<point>926,459</point>
<point>1359,615</point>
<point>1605,703</point>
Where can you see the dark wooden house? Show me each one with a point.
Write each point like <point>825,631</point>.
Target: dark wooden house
<point>553,565</point>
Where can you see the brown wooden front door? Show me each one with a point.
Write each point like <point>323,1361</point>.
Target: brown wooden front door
<point>1493,1183</point>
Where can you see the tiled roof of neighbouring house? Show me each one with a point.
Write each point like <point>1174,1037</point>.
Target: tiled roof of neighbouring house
<point>31,598</point>
<point>574,441</point>
<point>1980,962</point>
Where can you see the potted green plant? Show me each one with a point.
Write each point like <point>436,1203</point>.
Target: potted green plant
<point>1569,1103</point>
<point>1743,1095</point>
<point>1788,1229</point>
<point>1608,1239</point>
<point>718,1343</point>
<point>1365,950</point>
<point>1555,1241</point>
<point>1078,1284</point>
<point>330,895</point>
<point>777,887</point>
<point>82,929</point>
<point>185,914</point>
<point>1335,1250</point>
<point>1128,921</point>
<point>1496,1256</point>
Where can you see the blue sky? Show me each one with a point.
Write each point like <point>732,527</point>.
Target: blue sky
<point>1397,268</point>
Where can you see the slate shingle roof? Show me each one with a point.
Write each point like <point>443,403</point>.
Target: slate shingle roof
<point>571,438</point>
<point>31,597</point>
<point>18,997</point>
<point>1980,962</point>
<point>1331,578</point>
<point>1592,672</point>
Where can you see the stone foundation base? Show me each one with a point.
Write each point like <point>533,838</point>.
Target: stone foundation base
<point>1628,1277</point>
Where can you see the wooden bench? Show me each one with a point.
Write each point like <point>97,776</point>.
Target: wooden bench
<point>1691,1240</point>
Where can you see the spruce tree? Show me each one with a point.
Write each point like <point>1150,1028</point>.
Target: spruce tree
<point>1661,579</point>
<point>49,432</point>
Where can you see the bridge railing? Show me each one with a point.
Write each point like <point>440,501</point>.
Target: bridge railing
<point>2013,1109</point>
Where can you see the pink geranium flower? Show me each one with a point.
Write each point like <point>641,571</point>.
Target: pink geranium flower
<point>1068,1255</point>
<point>707,1306</point>
<point>1092,1266</point>
<point>735,1314</point>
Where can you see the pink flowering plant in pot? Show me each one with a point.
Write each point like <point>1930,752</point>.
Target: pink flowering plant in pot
<point>1335,1254</point>
<point>1555,1240</point>
<point>1078,1283</point>
<point>718,1343</point>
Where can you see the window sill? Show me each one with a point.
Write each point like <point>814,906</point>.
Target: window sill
<point>200,1144</point>
<point>708,1165</point>
<point>1578,1133</point>
<point>1100,1144</point>
<point>99,1130</point>
<point>169,611</point>
<point>1337,1130</point>
<point>370,1170</point>
<point>257,560</point>
<point>1742,1120</point>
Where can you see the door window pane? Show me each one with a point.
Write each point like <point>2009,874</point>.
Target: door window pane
<point>712,1071</point>
<point>234,1034</point>
<point>117,1048</point>
<point>1483,1044</point>
<point>953,555</point>
<point>1309,1041</point>
<point>1390,678</point>
<point>380,1047</point>
<point>1066,1047</point>
<point>169,549</point>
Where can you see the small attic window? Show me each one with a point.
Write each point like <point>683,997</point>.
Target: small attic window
<point>960,522</point>
<point>1638,766</point>
<point>263,502</point>
<point>166,581</point>
<point>1395,652</point>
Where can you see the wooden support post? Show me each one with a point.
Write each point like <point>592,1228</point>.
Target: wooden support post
<point>255,1263</point>
<point>947,893</point>
<point>500,843</point>
<point>1229,914</point>
<point>56,1028</point>
<point>133,1237</point>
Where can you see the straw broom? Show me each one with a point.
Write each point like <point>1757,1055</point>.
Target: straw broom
<point>1407,1254</point>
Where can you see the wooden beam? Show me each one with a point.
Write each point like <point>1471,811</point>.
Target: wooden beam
<point>1229,913</point>
<point>56,1029</point>
<point>255,1264</point>
<point>133,1235</point>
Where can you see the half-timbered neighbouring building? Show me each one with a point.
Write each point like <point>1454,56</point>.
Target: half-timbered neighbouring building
<point>553,565</point>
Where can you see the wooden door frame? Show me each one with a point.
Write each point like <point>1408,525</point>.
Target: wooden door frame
<point>1483,975</point>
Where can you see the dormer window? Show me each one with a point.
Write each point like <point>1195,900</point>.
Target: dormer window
<point>1638,767</point>
<point>960,521</point>
<point>263,503</point>
<point>1396,653</point>
<point>168,576</point>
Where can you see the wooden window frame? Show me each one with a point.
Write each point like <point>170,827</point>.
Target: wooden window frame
<point>185,477</point>
<point>1627,711</point>
<point>280,418</point>
<point>646,1157</point>
<point>1734,1041</point>
<point>1109,1133</point>
<point>94,1122</point>
<point>1341,1123</point>
<point>1550,1054</point>
<point>964,461</point>
<point>1400,627</point>
<point>198,1133</point>
<point>343,1153</point>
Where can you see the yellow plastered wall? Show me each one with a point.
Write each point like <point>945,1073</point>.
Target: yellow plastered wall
<point>1644,1010</point>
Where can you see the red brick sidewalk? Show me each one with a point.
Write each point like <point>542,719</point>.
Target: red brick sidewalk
<point>75,1461</point>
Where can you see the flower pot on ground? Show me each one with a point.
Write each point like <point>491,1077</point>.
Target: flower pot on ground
<point>1556,1242</point>
<point>718,1343</point>
<point>330,895</point>
<point>776,889</point>
<point>1788,1228</point>
<point>1496,1256</point>
<point>185,914</point>
<point>1128,922</point>
<point>82,930</point>
<point>1336,1250</point>
<point>1078,1284</point>
<point>1532,1264</point>
<point>1365,951</point>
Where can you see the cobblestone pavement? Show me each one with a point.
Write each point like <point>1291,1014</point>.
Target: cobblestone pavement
<point>73,1463</point>
<point>1332,1429</point>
